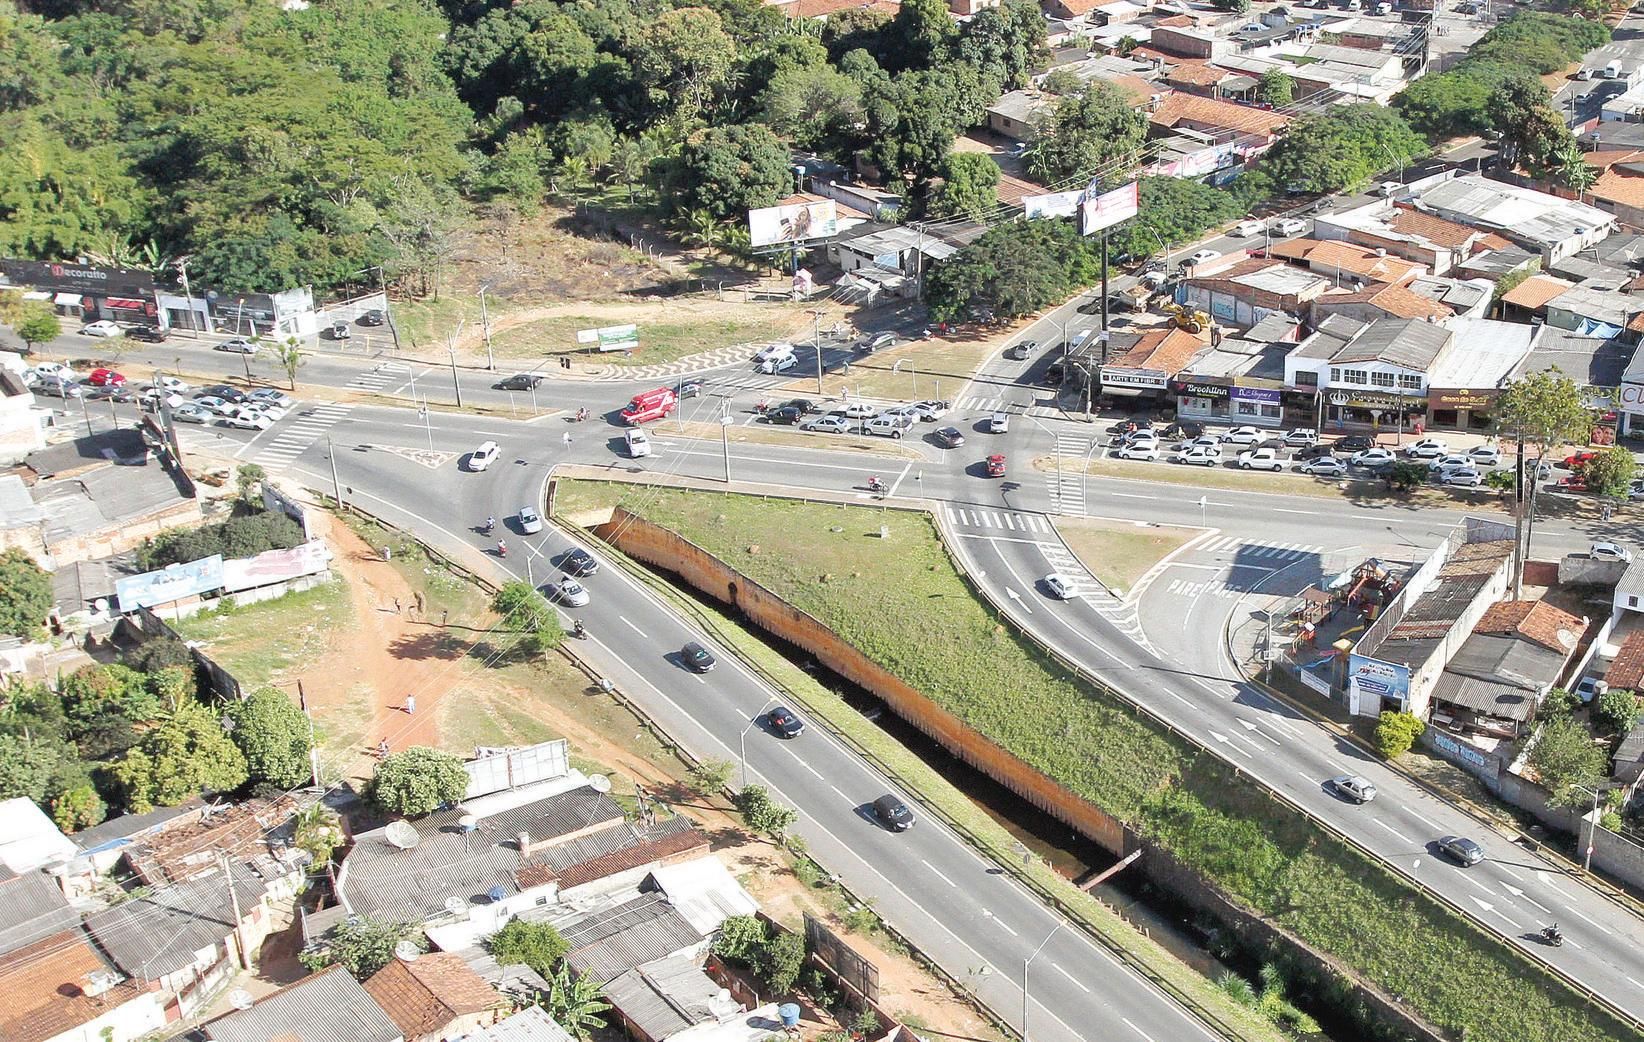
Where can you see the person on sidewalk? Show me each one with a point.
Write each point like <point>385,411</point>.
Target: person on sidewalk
<point>410,705</point>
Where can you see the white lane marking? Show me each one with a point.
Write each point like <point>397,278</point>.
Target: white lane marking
<point>1136,1029</point>
<point>1000,923</point>
<point>1129,495</point>
<point>938,873</point>
<point>630,625</point>
<point>837,789</point>
<point>1573,911</point>
<point>1424,819</point>
<point>1394,831</point>
<point>1077,983</point>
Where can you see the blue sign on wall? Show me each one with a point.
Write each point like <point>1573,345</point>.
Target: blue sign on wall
<point>170,584</point>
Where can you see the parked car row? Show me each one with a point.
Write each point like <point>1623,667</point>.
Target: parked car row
<point>1300,449</point>
<point>862,417</point>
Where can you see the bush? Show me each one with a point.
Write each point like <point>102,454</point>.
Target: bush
<point>711,776</point>
<point>537,945</point>
<point>783,959</point>
<point>1567,761</point>
<point>741,937</point>
<point>362,946</point>
<point>763,814</point>
<point>244,536</point>
<point>417,780</point>
<point>272,732</point>
<point>1396,733</point>
<point>1615,711</point>
<point>25,594</point>
<point>151,656</point>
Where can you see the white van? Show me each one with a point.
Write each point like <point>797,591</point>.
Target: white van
<point>639,443</point>
<point>1612,71</point>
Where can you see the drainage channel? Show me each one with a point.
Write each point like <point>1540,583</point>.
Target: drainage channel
<point>1192,938</point>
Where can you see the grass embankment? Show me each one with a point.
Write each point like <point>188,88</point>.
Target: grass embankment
<point>258,643</point>
<point>660,342</point>
<point>935,368</point>
<point>1233,831</point>
<point>1119,553</point>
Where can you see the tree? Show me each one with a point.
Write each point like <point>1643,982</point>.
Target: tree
<point>811,105</point>
<point>711,776</point>
<point>919,34</point>
<point>1173,211</point>
<point>1610,472</point>
<point>1013,270</point>
<point>93,691</point>
<point>1567,164</point>
<point>741,938</point>
<point>1544,410</point>
<point>1006,42</point>
<point>682,57</point>
<point>184,756</point>
<point>1566,760</point>
<point>1616,711</point>
<point>272,733</point>
<point>763,814</point>
<point>784,958</point>
<point>248,477</point>
<point>1087,133</point>
<point>288,353</point>
<point>1277,87</point>
<point>970,186</point>
<point>78,808</point>
<point>1340,148</point>
<point>361,945</point>
<point>537,945</point>
<point>1397,732</point>
<point>416,781</point>
<point>38,324</point>
<point>319,832</point>
<point>1532,132</point>
<point>528,613</point>
<point>728,170</point>
<point>27,766</point>
<point>25,594</point>
<point>1235,6</point>
<point>1406,475</point>
<point>574,1002</point>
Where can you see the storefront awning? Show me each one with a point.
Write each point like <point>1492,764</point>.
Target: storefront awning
<point>66,300</point>
<point>126,303</point>
<point>36,294</point>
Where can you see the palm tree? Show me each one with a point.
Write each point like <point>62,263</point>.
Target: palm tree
<point>574,1001</point>
<point>289,354</point>
<point>1570,167</point>
<point>702,228</point>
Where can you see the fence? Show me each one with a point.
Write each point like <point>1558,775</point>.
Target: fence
<point>219,680</point>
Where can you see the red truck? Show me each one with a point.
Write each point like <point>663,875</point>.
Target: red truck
<point>651,405</point>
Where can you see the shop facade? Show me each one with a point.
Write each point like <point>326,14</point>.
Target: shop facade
<point>1223,400</point>
<point>84,293</point>
<point>1461,408</point>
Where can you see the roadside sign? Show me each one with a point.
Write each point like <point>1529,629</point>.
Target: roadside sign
<point>611,338</point>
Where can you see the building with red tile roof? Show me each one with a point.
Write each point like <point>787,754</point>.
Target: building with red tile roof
<point>1335,259</point>
<point>1216,117</point>
<point>435,997</point>
<point>59,986</point>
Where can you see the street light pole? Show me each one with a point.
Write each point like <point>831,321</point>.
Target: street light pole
<point>1027,964</point>
<point>743,738</point>
<point>485,326</point>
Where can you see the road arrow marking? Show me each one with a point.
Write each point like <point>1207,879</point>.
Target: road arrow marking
<point>1013,595</point>
<point>1254,728</point>
<point>1519,894</point>
<point>1490,908</point>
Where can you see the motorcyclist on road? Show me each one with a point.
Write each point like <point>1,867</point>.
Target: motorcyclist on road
<point>490,524</point>
<point>502,547</point>
<point>582,413</point>
<point>577,629</point>
<point>1553,935</point>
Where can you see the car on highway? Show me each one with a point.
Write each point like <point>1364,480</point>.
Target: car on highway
<point>1427,448</point>
<point>579,562</point>
<point>1061,587</point>
<point>999,423</point>
<point>1019,352</point>
<point>784,723</point>
<point>1314,451</point>
<point>1574,483</point>
<point>149,334</point>
<point>831,423</point>
<point>688,389</point>
<point>237,346</point>
<point>1141,436</point>
<point>773,350</point>
<point>1261,459</point>
<point>570,592</point>
<point>1201,256</point>
<point>152,397</point>
<point>1198,456</point>
<point>1352,786</point>
<point>949,437</point>
<point>697,658</point>
<point>1355,443</point>
<point>111,393</point>
<point>61,387</point>
<point>171,383</point>
<point>520,382</point>
<point>930,410</point>
<point>1301,437</point>
<point>484,456</point>
<point>530,522</point>
<point>1208,442</point>
<point>892,813</point>
<point>269,409</point>
<point>374,317</point>
<point>273,397</point>
<point>1607,551</point>
<point>52,369</point>
<point>995,465</point>
<point>787,415</point>
<point>247,419</point>
<point>1461,477</point>
<point>1323,467</point>
<point>1287,226</point>
<point>1449,461</point>
<point>1147,450</point>
<point>637,442</point>
<point>102,327</point>
<point>105,378</point>
<point>1484,455</point>
<point>191,412</point>
<point>1245,229</point>
<point>1463,851</point>
<point>215,405</point>
<point>340,331</point>
<point>1577,460</point>
<point>1372,457</point>
<point>804,406</point>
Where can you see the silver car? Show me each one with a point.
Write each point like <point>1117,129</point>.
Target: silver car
<point>1353,787</point>
<point>570,592</point>
<point>530,522</point>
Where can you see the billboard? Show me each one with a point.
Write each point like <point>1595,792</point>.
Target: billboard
<point>795,222</point>
<point>611,338</point>
<point>1057,204</point>
<point>172,583</point>
<point>1097,212</point>
<point>272,566</point>
<point>1369,680</point>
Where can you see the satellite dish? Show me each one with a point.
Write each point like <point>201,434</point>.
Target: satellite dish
<point>407,951</point>
<point>401,834</point>
<point>600,783</point>
<point>456,905</point>
<point>468,822</point>
<point>239,998</point>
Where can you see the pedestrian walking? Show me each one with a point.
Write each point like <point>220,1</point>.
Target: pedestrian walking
<point>396,605</point>
<point>567,439</point>
<point>410,705</point>
<point>445,613</point>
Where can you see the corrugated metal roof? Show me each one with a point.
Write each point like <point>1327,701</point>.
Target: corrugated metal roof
<point>330,1006</point>
<point>531,1024</point>
<point>32,906</point>
<point>157,933</point>
<point>611,942</point>
<point>665,997</point>
<point>1406,342</point>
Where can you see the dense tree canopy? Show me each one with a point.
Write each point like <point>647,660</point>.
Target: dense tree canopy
<point>1341,148</point>
<point>272,733</point>
<point>25,594</point>
<point>1084,133</point>
<point>416,781</point>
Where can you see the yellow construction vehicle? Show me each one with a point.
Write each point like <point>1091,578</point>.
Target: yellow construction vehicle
<point>1191,319</point>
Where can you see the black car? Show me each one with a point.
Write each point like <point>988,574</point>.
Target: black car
<point>696,657</point>
<point>1354,443</point>
<point>1315,451</point>
<point>786,414</point>
<point>893,813</point>
<point>1183,429</point>
<point>949,437</point>
<point>804,405</point>
<point>1463,851</point>
<point>520,382</point>
<point>689,389</point>
<point>223,391</point>
<point>784,723</point>
<point>374,317</point>
<point>110,392</point>
<point>149,334</point>
<point>578,562</point>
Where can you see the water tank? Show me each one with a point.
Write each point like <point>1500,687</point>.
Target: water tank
<point>789,1012</point>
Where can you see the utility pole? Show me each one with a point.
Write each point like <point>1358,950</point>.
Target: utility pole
<point>182,268</point>
<point>485,326</point>
<point>313,746</point>
<point>336,485</point>
<point>243,957</point>
<point>455,384</point>
<point>725,434</point>
<point>816,342</point>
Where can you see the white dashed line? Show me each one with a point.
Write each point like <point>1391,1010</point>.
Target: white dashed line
<point>937,873</point>
<point>1076,981</point>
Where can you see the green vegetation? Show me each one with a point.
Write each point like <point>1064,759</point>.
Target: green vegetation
<point>1397,732</point>
<point>711,776</point>
<point>537,945</point>
<point>1340,148</point>
<point>361,945</point>
<point>259,642</point>
<point>1611,472</point>
<point>775,956</point>
<point>271,732</point>
<point>1616,711</point>
<point>1084,131</point>
<point>528,614</point>
<point>243,536</point>
<point>1567,760</point>
<point>25,594</point>
<point>574,1002</point>
<point>416,780</point>
<point>1233,832</point>
<point>762,813</point>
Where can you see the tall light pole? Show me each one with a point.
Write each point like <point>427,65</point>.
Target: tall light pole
<point>1028,964</point>
<point>816,342</point>
<point>485,325</point>
<point>743,738</point>
<point>1165,246</point>
<point>1396,160</point>
<point>725,433</point>
<point>897,368</point>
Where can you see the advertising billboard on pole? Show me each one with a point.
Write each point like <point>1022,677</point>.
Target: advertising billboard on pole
<point>1057,204</point>
<point>796,222</point>
<point>611,338</point>
<point>1104,210</point>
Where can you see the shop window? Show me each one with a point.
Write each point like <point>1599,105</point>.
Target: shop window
<point>1410,381</point>
<point>1335,375</point>
<point>1257,410</point>
<point>1382,379</point>
<point>1306,379</point>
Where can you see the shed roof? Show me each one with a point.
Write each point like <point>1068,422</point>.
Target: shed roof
<point>1406,342</point>
<point>32,906</point>
<point>157,932</point>
<point>611,941</point>
<point>330,1006</point>
<point>1213,112</point>
<point>531,1024</point>
<point>1537,621</point>
<point>1627,670</point>
<point>1397,301</point>
<point>426,994</point>
<point>664,997</point>
<point>1534,292</point>
<point>44,985</point>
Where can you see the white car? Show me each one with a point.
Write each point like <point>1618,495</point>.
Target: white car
<point>931,410</point>
<point>832,423</point>
<point>237,346</point>
<point>999,423</point>
<point>530,522</point>
<point>484,456</point>
<point>269,409</point>
<point>778,364</point>
<point>639,443</point>
<point>1449,461</point>
<point>1288,226</point>
<point>1141,437</point>
<point>1323,467</point>
<point>1463,477</point>
<point>1146,451</point>
<point>273,397</point>
<point>213,404</point>
<point>569,591</point>
<point>1200,256</point>
<point>1260,459</point>
<point>1484,455</point>
<point>1198,456</point>
<point>859,411</point>
<point>1301,437</point>
<point>1207,442</point>
<point>248,420</point>
<point>887,426</point>
<point>1248,228</point>
<point>1244,436</point>
<point>1372,457</point>
<point>53,370</point>
<point>102,327</point>
<point>1610,552</point>
<point>174,385</point>
<point>766,352</point>
<point>1061,587</point>
<point>190,412</point>
<point>1427,448</point>
<point>155,395</point>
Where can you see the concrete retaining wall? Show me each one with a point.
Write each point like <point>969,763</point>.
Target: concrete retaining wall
<point>665,549</point>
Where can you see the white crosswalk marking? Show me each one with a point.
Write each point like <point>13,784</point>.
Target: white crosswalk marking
<point>1066,480</point>
<point>379,376</point>
<point>294,439</point>
<point>1267,552</point>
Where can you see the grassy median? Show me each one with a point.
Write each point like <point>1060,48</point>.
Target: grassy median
<point>831,562</point>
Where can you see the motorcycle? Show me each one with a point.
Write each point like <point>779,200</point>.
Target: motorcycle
<point>489,526</point>
<point>502,549</point>
<point>1552,935</point>
<point>877,487</point>
<point>579,631</point>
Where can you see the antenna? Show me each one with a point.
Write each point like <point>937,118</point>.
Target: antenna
<point>456,905</point>
<point>407,951</point>
<point>239,998</point>
<point>600,783</point>
<point>401,834</point>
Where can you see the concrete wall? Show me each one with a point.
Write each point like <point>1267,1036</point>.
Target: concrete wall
<point>667,550</point>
